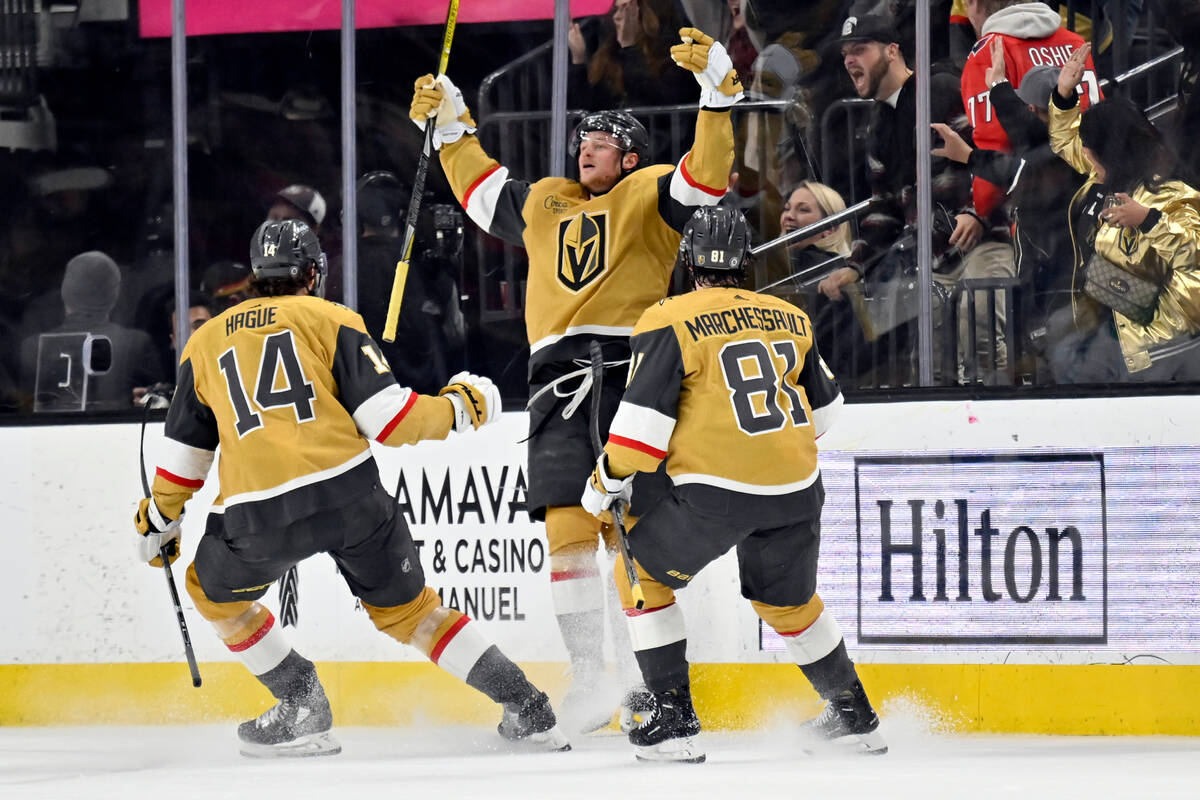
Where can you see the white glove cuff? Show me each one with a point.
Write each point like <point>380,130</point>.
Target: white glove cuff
<point>150,545</point>
<point>462,420</point>
<point>449,134</point>
<point>611,485</point>
<point>157,521</point>
<point>714,98</point>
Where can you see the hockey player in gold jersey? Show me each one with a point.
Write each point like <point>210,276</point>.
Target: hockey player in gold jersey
<point>601,248</point>
<point>728,387</point>
<point>293,389</point>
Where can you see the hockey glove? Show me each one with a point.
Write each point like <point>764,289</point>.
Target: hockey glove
<point>154,532</point>
<point>720,86</point>
<point>602,490</point>
<point>476,400</point>
<point>440,98</point>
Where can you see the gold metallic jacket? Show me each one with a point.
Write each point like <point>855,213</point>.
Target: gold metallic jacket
<point>1169,253</point>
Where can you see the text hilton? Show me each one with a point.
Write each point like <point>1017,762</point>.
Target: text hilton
<point>1021,536</point>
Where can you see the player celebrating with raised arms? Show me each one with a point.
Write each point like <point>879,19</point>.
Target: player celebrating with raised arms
<point>728,387</point>
<point>293,389</point>
<point>601,249</point>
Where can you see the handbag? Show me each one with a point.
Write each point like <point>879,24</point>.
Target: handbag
<point>1130,295</point>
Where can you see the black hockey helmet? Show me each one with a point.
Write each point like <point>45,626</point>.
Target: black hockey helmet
<point>631,134</point>
<point>382,199</point>
<point>716,242</point>
<point>286,248</point>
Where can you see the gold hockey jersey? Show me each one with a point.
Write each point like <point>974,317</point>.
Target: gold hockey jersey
<point>728,386</point>
<point>291,388</point>
<point>595,263</point>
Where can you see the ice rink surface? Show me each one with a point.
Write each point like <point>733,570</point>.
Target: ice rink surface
<point>186,762</point>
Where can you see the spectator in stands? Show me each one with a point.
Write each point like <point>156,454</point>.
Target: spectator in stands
<point>728,25</point>
<point>824,254</point>
<point>810,202</point>
<point>1040,186</point>
<point>770,152</point>
<point>963,246</point>
<point>199,312</point>
<point>1031,34</point>
<point>629,64</point>
<point>298,202</point>
<point>417,356</point>
<point>1137,216</point>
<point>90,289</point>
<point>226,283</point>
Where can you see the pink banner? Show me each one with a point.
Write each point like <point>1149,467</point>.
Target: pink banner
<point>272,16</point>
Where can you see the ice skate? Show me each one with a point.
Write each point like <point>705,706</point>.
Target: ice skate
<point>848,720</point>
<point>294,727</point>
<point>635,707</point>
<point>533,723</point>
<point>670,729</point>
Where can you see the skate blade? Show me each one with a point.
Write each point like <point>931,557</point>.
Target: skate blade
<point>553,740</point>
<point>866,744</point>
<point>680,751</point>
<point>316,744</point>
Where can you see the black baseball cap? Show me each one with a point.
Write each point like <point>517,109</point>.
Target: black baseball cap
<point>880,28</point>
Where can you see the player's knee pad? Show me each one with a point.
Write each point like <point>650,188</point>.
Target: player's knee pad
<point>810,631</point>
<point>571,530</point>
<point>422,615</point>
<point>657,594</point>
<point>217,613</point>
<point>247,627</point>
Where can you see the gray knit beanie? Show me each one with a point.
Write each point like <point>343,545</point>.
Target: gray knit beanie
<point>91,283</point>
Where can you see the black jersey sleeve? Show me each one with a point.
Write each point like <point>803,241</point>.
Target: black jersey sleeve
<point>822,388</point>
<point>189,421</point>
<point>641,431</point>
<point>359,368</point>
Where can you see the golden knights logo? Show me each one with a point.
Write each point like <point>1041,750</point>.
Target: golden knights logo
<point>582,249</point>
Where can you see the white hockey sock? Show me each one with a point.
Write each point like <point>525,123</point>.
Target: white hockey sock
<point>264,649</point>
<point>814,642</point>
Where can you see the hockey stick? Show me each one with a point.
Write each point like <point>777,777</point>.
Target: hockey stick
<point>618,514</point>
<point>820,226</point>
<point>166,562</point>
<point>418,189</point>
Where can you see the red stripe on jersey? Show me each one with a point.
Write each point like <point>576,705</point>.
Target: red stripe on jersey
<point>391,426</point>
<point>695,183</point>
<point>438,649</point>
<point>802,630</point>
<point>255,637</point>
<point>471,189</point>
<point>188,483</point>
<point>573,574</point>
<point>633,612</point>
<point>634,444</point>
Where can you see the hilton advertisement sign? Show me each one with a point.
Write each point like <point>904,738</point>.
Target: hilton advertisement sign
<point>995,549</point>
